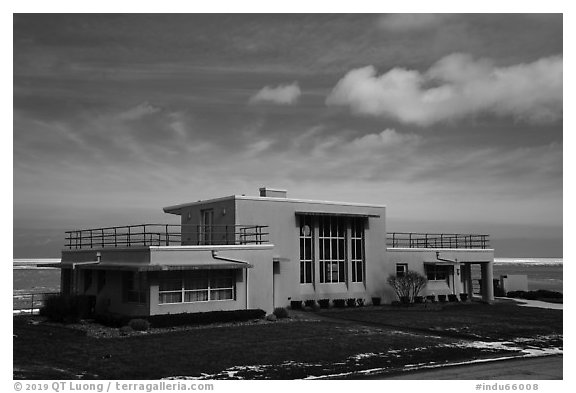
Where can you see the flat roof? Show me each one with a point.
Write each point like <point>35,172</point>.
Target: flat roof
<point>313,213</point>
<point>224,265</point>
<point>174,209</point>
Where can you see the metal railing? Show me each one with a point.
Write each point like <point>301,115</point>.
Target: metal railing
<point>436,240</point>
<point>30,303</point>
<point>145,235</point>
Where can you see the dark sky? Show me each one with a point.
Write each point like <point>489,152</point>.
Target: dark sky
<point>454,122</point>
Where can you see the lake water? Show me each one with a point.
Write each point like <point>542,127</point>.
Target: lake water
<point>543,273</point>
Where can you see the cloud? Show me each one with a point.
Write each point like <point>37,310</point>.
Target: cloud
<point>410,22</point>
<point>281,94</point>
<point>138,112</point>
<point>455,87</point>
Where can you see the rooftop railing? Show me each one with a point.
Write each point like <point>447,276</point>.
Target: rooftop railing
<point>436,240</point>
<point>145,235</point>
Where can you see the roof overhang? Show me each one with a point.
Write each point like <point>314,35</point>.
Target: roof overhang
<point>347,214</point>
<point>158,267</point>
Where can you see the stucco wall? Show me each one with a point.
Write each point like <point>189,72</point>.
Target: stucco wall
<point>190,220</point>
<point>279,215</point>
<point>416,257</point>
<point>259,277</point>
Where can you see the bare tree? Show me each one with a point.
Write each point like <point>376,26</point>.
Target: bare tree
<point>407,286</point>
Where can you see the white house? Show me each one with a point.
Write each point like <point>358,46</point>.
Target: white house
<point>248,252</point>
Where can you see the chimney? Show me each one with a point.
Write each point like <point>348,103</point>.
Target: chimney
<point>272,192</point>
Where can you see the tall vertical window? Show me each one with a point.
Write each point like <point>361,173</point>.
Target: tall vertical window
<point>357,244</point>
<point>332,246</point>
<point>306,250</point>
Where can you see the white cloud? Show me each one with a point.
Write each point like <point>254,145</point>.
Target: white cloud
<point>410,22</point>
<point>138,112</point>
<point>455,87</point>
<point>281,95</point>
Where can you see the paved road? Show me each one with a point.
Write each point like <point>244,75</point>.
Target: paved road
<point>549,367</point>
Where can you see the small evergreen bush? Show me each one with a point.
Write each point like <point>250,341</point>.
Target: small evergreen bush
<point>351,302</point>
<point>310,303</point>
<point>140,325</point>
<point>296,304</point>
<point>280,312</point>
<point>376,301</point>
<point>442,298</point>
<point>324,303</point>
<point>125,330</point>
<point>339,303</point>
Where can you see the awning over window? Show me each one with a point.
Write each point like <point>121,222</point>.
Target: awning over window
<point>301,213</point>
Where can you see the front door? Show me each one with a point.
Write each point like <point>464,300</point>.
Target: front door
<point>206,226</point>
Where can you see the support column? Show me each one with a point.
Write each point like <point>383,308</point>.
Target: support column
<point>487,283</point>
<point>468,278</point>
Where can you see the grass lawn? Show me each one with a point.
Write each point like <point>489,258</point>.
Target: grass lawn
<point>500,321</point>
<point>342,341</point>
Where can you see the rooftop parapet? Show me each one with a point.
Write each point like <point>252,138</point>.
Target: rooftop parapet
<point>145,235</point>
<point>436,240</point>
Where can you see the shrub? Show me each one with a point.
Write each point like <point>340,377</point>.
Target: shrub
<point>418,299</point>
<point>360,302</point>
<point>68,308</point>
<point>339,303</point>
<point>140,325</point>
<point>452,298</point>
<point>463,297</point>
<point>296,304</point>
<point>310,303</point>
<point>351,302</point>
<point>431,298</point>
<point>324,303</point>
<point>112,320</point>
<point>169,320</point>
<point>405,299</point>
<point>376,301</point>
<point>534,295</point>
<point>408,285</point>
<point>125,330</point>
<point>442,298</point>
<point>280,312</point>
<point>543,293</point>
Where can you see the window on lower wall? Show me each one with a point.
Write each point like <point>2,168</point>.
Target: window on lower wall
<point>436,272</point>
<point>134,287</point>
<point>197,286</point>
<point>357,244</point>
